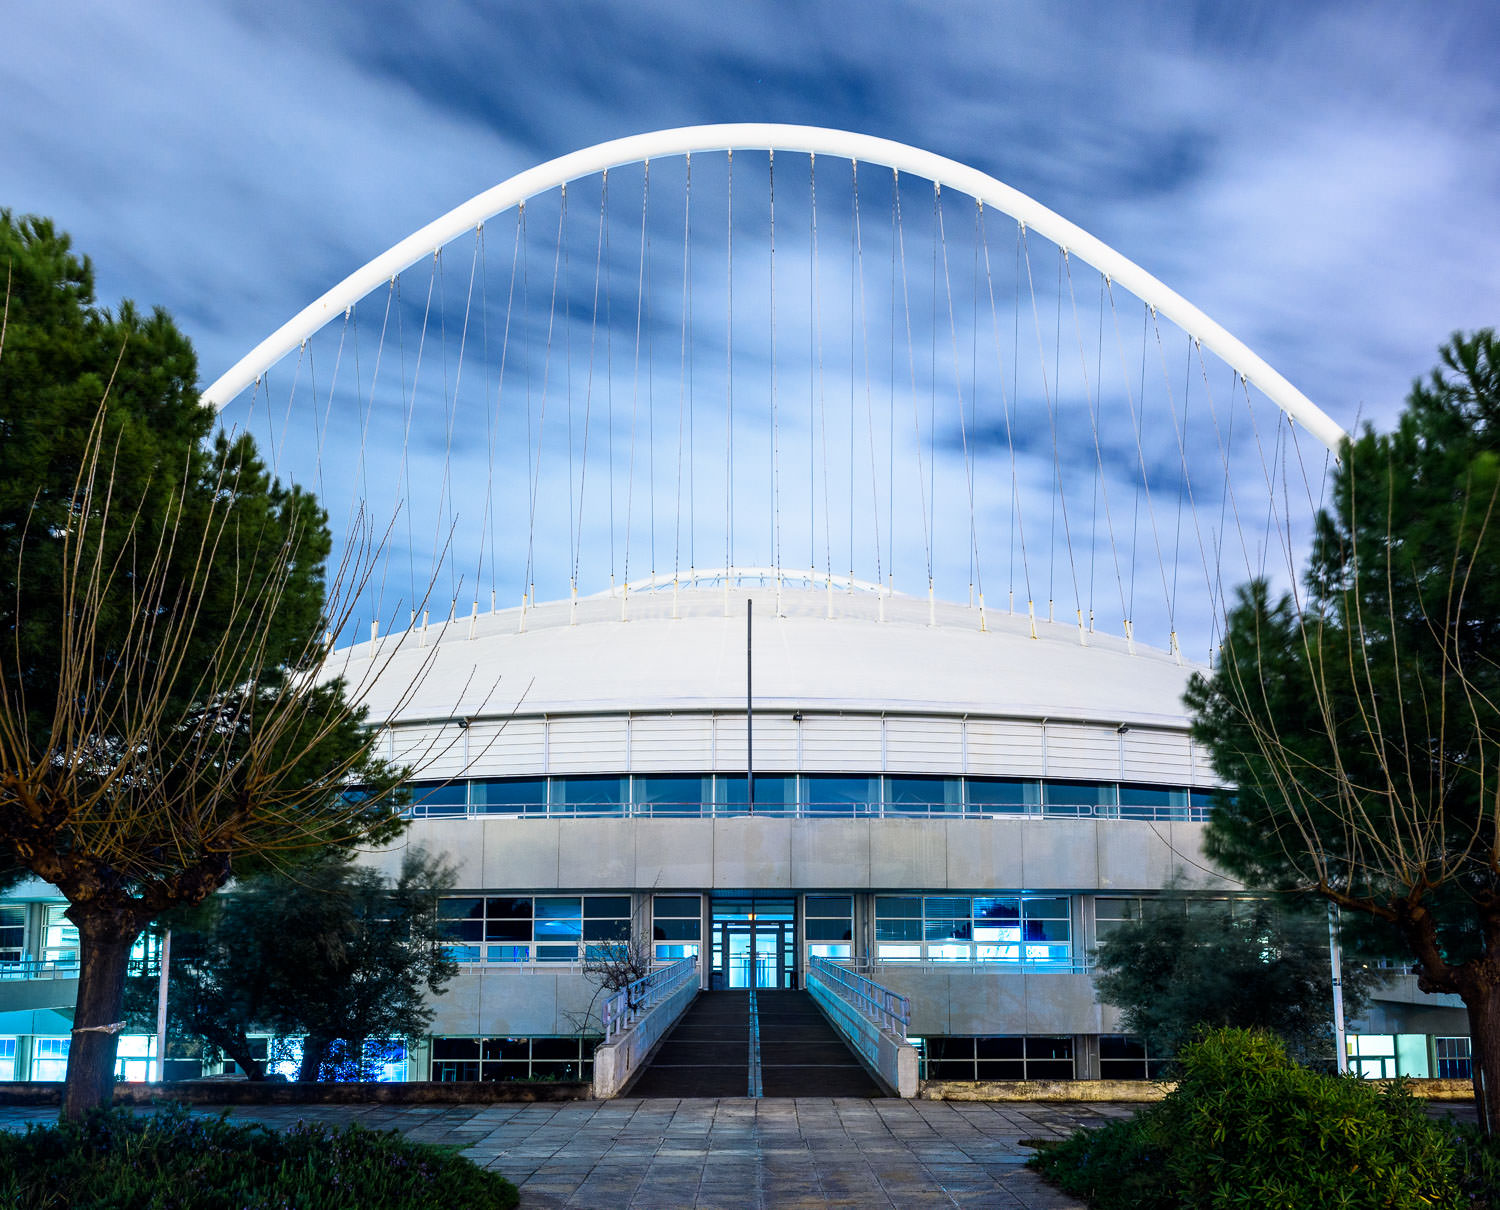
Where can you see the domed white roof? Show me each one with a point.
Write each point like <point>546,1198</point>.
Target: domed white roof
<point>898,656</point>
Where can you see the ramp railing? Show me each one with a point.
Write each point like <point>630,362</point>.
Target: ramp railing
<point>872,1019</point>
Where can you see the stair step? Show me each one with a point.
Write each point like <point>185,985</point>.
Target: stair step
<point>707,1054</point>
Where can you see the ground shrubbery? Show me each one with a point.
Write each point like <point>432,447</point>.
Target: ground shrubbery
<point>1247,1127</point>
<point>117,1160</point>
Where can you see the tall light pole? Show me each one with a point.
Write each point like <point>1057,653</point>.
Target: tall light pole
<point>749,706</point>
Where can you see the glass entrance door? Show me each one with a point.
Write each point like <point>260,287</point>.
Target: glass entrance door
<point>753,943</point>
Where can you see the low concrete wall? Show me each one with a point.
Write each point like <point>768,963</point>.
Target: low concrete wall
<point>891,1058</point>
<point>1126,1091</point>
<point>617,1061</point>
<point>265,1092</point>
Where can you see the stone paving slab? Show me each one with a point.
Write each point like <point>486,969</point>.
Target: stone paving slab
<point>732,1152</point>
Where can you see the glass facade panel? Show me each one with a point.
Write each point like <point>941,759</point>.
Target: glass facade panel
<point>833,795</point>
<point>924,795</point>
<point>589,795</point>
<point>60,941</point>
<point>982,929</point>
<point>1454,1058</point>
<point>1001,795</point>
<point>523,928</point>
<point>536,1058</point>
<point>676,926</point>
<point>671,795</point>
<point>996,1057</point>
<point>7,1058</point>
<point>775,793</point>
<point>1061,795</point>
<point>12,932</point>
<point>434,799</point>
<point>510,796</point>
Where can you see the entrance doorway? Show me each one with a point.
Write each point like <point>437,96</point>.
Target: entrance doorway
<point>754,942</point>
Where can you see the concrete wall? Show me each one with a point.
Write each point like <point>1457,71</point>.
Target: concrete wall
<point>761,853</point>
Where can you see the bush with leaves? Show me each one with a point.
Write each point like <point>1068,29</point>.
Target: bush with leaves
<point>1248,1127</point>
<point>117,1160</point>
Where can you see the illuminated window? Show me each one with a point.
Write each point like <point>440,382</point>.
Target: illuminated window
<point>829,925</point>
<point>988,928</point>
<point>676,926</point>
<point>525,928</point>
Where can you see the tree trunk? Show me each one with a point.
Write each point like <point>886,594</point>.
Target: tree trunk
<point>314,1054</point>
<point>1483,1003</point>
<point>237,1047</point>
<point>104,941</point>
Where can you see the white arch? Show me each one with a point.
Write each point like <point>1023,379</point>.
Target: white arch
<point>758,136</point>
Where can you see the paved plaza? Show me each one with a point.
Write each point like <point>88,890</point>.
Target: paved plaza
<point>732,1152</point>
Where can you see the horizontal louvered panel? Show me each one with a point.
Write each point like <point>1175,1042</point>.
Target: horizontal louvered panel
<point>1151,755</point>
<point>1082,751</point>
<point>836,743</point>
<point>586,745</point>
<point>681,743</point>
<point>514,748</point>
<point>775,743</point>
<point>924,745</point>
<point>1004,748</point>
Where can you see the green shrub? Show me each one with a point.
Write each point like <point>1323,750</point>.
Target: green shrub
<point>117,1160</point>
<point>1247,1127</point>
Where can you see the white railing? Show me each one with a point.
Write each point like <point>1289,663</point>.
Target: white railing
<point>633,1001</point>
<point>891,1010</point>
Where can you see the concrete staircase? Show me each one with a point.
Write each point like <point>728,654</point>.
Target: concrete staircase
<point>765,1043</point>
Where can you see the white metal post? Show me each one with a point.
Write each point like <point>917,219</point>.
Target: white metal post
<point>1336,964</point>
<point>161,1008</point>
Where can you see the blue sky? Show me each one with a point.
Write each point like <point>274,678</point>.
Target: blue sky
<point>1322,179</point>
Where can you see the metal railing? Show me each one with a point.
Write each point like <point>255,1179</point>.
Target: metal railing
<point>36,968</point>
<point>633,1001</point>
<point>891,1010</point>
<point>842,810</point>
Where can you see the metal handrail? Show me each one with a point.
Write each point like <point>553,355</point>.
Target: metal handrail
<point>842,810</point>
<point>891,1010</point>
<point>67,968</point>
<point>633,1001</point>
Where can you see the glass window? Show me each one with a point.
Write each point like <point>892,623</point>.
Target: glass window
<point>589,795</point>
<point>775,793</point>
<point>1153,802</point>
<point>1110,913</point>
<point>997,1058</point>
<point>676,926</point>
<point>510,796</point>
<point>7,1058</point>
<point>1001,795</point>
<point>987,928</point>
<point>671,795</point>
<point>12,932</point>
<point>832,795</point>
<point>1078,797</point>
<point>60,943</point>
<point>433,799</point>
<point>924,795</point>
<point>537,1058</point>
<point>1455,1058</point>
<point>829,922</point>
<point>49,1059</point>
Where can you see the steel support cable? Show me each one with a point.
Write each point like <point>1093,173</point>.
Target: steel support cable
<point>822,401</point>
<point>458,377</point>
<point>1228,501</point>
<point>440,550</point>
<point>541,422</point>
<point>486,520</point>
<point>775,402</point>
<point>1135,424</point>
<point>323,425</point>
<point>588,390</point>
<point>1092,393</point>
<point>932,394</point>
<point>1186,484</point>
<point>687,195</point>
<point>812,362</point>
<point>278,443</point>
<point>411,407</point>
<point>729,387</point>
<point>360,490</point>
<point>864,323</point>
<point>498,413</point>
<point>635,387</point>
<point>916,418</point>
<point>1061,499</point>
<point>567,279</point>
<point>963,426</point>
<point>1016,522</point>
<point>609,390</point>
